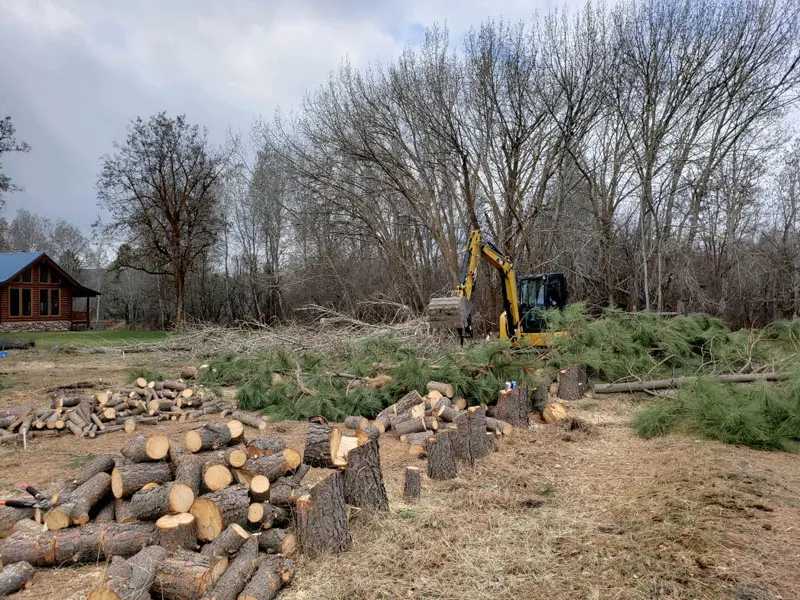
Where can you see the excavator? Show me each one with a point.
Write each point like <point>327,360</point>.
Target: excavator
<point>524,298</point>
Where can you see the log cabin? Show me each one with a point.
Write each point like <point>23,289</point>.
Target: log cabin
<point>36,294</point>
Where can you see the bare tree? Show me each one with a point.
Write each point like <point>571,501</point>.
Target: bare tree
<point>8,143</point>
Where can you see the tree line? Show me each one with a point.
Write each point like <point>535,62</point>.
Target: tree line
<point>646,150</point>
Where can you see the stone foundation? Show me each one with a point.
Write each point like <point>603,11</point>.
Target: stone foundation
<point>20,326</point>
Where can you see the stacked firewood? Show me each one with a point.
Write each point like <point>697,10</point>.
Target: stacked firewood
<point>216,516</point>
<point>146,403</point>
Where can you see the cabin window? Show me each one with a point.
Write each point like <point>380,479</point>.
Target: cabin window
<point>54,303</point>
<point>44,275</point>
<point>27,276</point>
<point>20,304</point>
<point>14,303</point>
<point>27,305</point>
<point>49,303</point>
<point>44,302</point>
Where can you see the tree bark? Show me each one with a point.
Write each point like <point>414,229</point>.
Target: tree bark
<point>264,446</point>
<point>412,484</point>
<point>251,420</point>
<point>102,463</point>
<point>177,532</point>
<point>209,437</point>
<point>130,579</point>
<point>171,497</point>
<point>228,542</point>
<point>215,511</point>
<point>441,460</point>
<point>513,407</point>
<point>572,383</point>
<point>666,384</point>
<point>273,573</point>
<point>321,518</point>
<point>317,452</point>
<point>10,515</point>
<point>187,575</point>
<point>126,480</point>
<point>189,471</point>
<point>277,541</point>
<point>478,442</point>
<point>363,479</point>
<point>14,577</point>
<point>237,574</point>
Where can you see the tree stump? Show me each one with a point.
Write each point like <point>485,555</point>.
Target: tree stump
<point>215,511</point>
<point>228,542</point>
<point>277,541</point>
<point>168,498</point>
<point>363,479</point>
<point>441,461</point>
<point>321,518</point>
<point>126,480</point>
<point>14,577</point>
<point>513,407</point>
<point>572,383</point>
<point>541,395</point>
<point>412,484</point>
<point>478,443</point>
<point>317,452</point>
<point>177,531</point>
<point>238,572</point>
<point>187,575</point>
<point>130,579</point>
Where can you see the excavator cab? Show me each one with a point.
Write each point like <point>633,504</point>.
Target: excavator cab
<point>537,293</point>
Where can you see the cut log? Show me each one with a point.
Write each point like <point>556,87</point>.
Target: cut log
<point>171,497</point>
<point>274,466</point>
<point>237,431</point>
<point>317,452</point>
<point>86,544</point>
<point>415,425</point>
<point>209,437</point>
<point>105,513</point>
<point>146,448</point>
<point>216,477</point>
<point>441,460</point>
<point>498,426</point>
<point>126,480</point>
<point>228,542</point>
<point>130,579</point>
<point>446,413</point>
<point>321,518</point>
<point>260,515</point>
<point>265,446</point>
<point>186,575</point>
<point>87,496</point>
<point>9,516</point>
<point>102,463</point>
<point>277,541</point>
<point>341,445</point>
<point>236,457</point>
<point>249,419</point>
<point>459,403</point>
<point>189,471</point>
<point>122,511</point>
<point>177,531</point>
<point>175,386</point>
<point>417,450</point>
<point>283,492</point>
<point>554,412</point>
<point>572,383</point>
<point>188,372</point>
<point>272,574</point>
<point>259,488</point>
<point>373,433</point>
<point>675,382</point>
<point>15,577</point>
<point>363,478</point>
<point>445,389</point>
<point>412,484</point>
<point>16,345</point>
<point>215,511</point>
<point>237,574</point>
<point>405,403</point>
<point>356,422</point>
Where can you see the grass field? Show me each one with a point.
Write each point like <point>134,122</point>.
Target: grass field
<point>89,338</point>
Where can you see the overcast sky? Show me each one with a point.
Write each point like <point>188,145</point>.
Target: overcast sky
<point>73,73</point>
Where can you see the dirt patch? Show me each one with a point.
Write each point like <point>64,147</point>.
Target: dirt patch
<point>602,515</point>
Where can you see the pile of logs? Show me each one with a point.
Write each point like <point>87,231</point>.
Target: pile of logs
<point>216,516</point>
<point>146,403</point>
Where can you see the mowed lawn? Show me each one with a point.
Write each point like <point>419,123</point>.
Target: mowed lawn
<point>88,338</point>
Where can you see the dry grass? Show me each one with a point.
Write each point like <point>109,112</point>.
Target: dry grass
<point>593,513</point>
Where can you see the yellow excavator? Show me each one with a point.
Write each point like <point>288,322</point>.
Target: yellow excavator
<point>524,298</point>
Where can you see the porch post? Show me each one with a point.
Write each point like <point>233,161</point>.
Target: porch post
<point>88,316</point>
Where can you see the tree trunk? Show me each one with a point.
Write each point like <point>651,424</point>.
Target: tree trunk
<point>215,511</point>
<point>441,461</point>
<point>209,437</point>
<point>412,484</point>
<point>363,479</point>
<point>177,532</point>
<point>572,383</point>
<point>264,446</point>
<point>478,443</point>
<point>513,407</point>
<point>321,518</point>
<point>189,471</point>
<point>251,420</point>
<point>75,511</point>
<point>277,541</point>
<point>130,579</point>
<point>126,480</point>
<point>187,575</point>
<point>14,577</point>
<point>317,452</point>
<point>171,497</point>
<point>86,544</point>
<point>102,463</point>
<point>273,573</point>
<point>228,542</point>
<point>237,574</point>
<point>665,384</point>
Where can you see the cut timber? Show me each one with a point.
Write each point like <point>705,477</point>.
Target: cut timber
<point>373,432</point>
<point>250,420</point>
<point>405,403</point>
<point>267,445</point>
<point>171,497</point>
<point>363,479</point>
<point>445,389</point>
<point>215,511</point>
<point>216,477</point>
<point>417,450</point>
<point>259,488</point>
<point>262,515</point>
<point>130,579</point>
<point>317,452</point>
<point>441,461</point>
<point>106,513</point>
<point>513,407</point>
<point>236,457</point>
<point>122,511</point>
<point>237,574</point>
<point>86,544</point>
<point>175,386</point>
<point>667,384</point>
<point>416,425</point>
<point>86,497</point>
<point>126,480</point>
<point>272,574</point>
<point>146,448</point>
<point>15,577</point>
<point>554,412</point>
<point>210,437</point>
<point>188,372</point>
<point>102,463</point>
<point>447,414</point>
<point>141,382</point>
<point>498,426</point>
<point>189,470</point>
<point>130,425</point>
<point>412,484</point>
<point>572,383</point>
<point>459,403</point>
<point>186,575</point>
<point>236,428</point>
<point>228,542</point>
<point>321,518</point>
<point>177,531</point>
<point>277,541</point>
<point>283,492</point>
<point>274,466</point>
<point>341,445</point>
<point>356,422</point>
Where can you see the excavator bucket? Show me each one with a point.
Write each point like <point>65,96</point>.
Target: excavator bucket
<point>449,313</point>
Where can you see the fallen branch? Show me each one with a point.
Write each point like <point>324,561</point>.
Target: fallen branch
<point>666,384</point>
